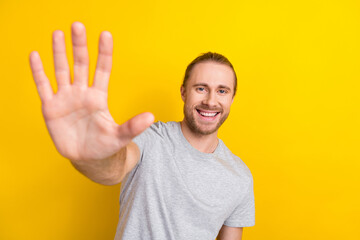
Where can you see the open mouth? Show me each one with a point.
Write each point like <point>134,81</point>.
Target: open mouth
<point>207,115</point>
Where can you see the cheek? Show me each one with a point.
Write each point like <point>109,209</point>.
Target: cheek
<point>226,103</point>
<point>193,99</point>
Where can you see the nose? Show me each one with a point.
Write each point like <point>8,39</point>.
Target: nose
<point>210,100</point>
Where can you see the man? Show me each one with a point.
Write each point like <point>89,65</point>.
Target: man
<point>179,181</point>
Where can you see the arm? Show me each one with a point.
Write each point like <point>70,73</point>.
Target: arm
<point>111,170</point>
<point>77,116</point>
<point>230,233</point>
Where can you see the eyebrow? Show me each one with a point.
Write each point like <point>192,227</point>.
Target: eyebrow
<point>205,85</point>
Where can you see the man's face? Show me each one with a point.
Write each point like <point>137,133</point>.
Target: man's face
<point>208,96</point>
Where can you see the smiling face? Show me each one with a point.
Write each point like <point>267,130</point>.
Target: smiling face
<point>207,97</point>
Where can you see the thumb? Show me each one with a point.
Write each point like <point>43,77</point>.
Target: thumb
<point>135,126</point>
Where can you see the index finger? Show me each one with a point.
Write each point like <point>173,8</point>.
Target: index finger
<point>104,62</point>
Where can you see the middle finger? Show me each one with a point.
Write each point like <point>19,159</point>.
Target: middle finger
<point>81,56</point>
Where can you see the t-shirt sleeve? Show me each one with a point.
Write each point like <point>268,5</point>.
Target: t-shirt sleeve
<point>145,139</point>
<point>244,213</point>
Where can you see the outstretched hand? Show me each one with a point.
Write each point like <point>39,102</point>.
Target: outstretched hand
<point>77,116</point>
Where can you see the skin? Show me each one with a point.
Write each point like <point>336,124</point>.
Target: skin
<point>83,130</point>
<point>230,233</point>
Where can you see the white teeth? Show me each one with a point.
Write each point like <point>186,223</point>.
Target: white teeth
<point>208,114</point>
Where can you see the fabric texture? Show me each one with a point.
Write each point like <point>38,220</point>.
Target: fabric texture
<point>176,192</point>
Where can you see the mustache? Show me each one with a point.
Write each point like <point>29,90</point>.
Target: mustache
<point>205,107</point>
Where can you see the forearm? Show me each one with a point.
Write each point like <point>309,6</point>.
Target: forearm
<point>111,170</point>
<point>108,171</point>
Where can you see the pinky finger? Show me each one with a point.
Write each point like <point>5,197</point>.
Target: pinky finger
<point>42,83</point>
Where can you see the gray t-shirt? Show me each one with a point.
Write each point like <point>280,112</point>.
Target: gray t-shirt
<point>176,192</point>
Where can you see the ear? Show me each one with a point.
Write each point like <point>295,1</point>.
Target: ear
<point>182,90</point>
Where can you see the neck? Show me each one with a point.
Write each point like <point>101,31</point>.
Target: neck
<point>203,143</point>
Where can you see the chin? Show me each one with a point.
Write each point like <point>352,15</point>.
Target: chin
<point>206,128</point>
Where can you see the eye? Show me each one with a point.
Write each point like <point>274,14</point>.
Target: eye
<point>223,91</point>
<point>200,89</point>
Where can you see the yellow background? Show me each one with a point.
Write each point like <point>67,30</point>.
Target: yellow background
<point>294,122</point>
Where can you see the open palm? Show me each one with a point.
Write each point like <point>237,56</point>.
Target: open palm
<point>77,116</point>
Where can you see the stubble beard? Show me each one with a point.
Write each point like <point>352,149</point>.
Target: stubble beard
<point>194,126</point>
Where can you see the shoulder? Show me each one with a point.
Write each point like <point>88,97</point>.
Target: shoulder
<point>162,128</point>
<point>159,135</point>
<point>158,130</point>
<point>238,165</point>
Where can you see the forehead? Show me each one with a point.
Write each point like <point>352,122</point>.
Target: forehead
<point>212,74</point>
